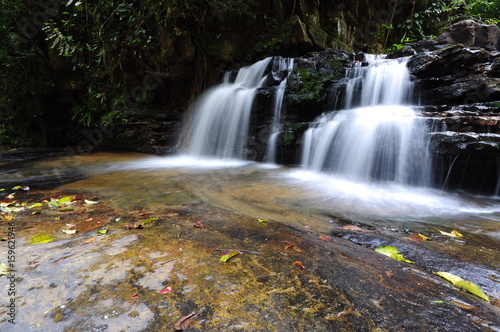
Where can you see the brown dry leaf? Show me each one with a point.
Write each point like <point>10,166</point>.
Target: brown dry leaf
<point>416,238</point>
<point>324,238</point>
<point>299,264</point>
<point>290,246</point>
<point>198,223</point>
<point>142,214</point>
<point>89,240</point>
<point>354,228</point>
<point>183,322</point>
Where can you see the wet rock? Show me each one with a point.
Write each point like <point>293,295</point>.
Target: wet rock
<point>452,143</point>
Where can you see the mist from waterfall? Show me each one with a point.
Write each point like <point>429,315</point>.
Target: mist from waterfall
<point>376,137</point>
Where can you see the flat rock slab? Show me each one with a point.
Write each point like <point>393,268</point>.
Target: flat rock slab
<point>283,278</point>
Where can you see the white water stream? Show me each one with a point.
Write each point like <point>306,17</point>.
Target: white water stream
<point>381,139</point>
<point>219,127</point>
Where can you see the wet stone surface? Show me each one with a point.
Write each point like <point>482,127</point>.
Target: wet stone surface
<point>285,277</point>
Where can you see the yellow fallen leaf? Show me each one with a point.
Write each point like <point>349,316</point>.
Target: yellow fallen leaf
<point>471,288</point>
<point>226,257</point>
<point>450,277</point>
<point>453,233</point>
<point>89,240</point>
<point>464,284</point>
<point>263,220</point>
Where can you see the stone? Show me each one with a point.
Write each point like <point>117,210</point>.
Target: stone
<point>468,33</point>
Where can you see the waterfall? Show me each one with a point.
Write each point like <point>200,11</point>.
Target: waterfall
<point>380,138</point>
<point>219,126</point>
<point>284,64</point>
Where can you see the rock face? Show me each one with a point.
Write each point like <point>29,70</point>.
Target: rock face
<point>468,33</point>
<point>457,86</point>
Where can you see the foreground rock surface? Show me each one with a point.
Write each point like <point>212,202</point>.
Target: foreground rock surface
<point>113,282</point>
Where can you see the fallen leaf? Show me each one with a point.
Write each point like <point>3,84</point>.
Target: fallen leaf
<point>400,258</point>
<point>41,238</point>
<point>453,233</point>
<point>69,231</point>
<point>33,263</point>
<point>70,225</point>
<point>425,238</point>
<point>65,200</point>
<point>463,305</point>
<point>36,205</point>
<point>166,290</point>
<point>290,246</point>
<point>263,220</point>
<point>142,214</point>
<point>4,269</point>
<point>148,221</point>
<point>198,223</point>
<point>118,219</point>
<point>450,277</point>
<point>325,238</point>
<point>16,188</point>
<point>102,231</point>
<point>25,188</point>
<point>226,257</point>
<point>7,218</point>
<point>416,238</point>
<point>66,209</point>
<point>352,227</point>
<point>89,240</point>
<point>90,219</point>
<point>464,284</point>
<point>393,253</point>
<point>387,250</point>
<point>90,202</point>
<point>136,296</point>
<point>183,322</point>
<point>77,198</point>
<point>299,264</point>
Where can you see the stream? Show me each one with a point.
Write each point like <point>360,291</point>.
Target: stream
<point>331,226</point>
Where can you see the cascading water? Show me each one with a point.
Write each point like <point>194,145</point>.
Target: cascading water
<point>219,127</point>
<point>284,64</point>
<point>380,139</point>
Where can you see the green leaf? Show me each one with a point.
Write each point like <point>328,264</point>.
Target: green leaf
<point>148,221</point>
<point>4,269</point>
<point>263,220</point>
<point>41,238</point>
<point>66,209</point>
<point>450,277</point>
<point>226,257</point>
<point>54,204</point>
<point>387,250</point>
<point>463,284</point>
<point>118,219</point>
<point>393,253</point>
<point>2,189</point>
<point>102,231</point>
<point>36,205</point>
<point>400,258</point>
<point>16,188</point>
<point>471,288</point>
<point>65,199</point>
